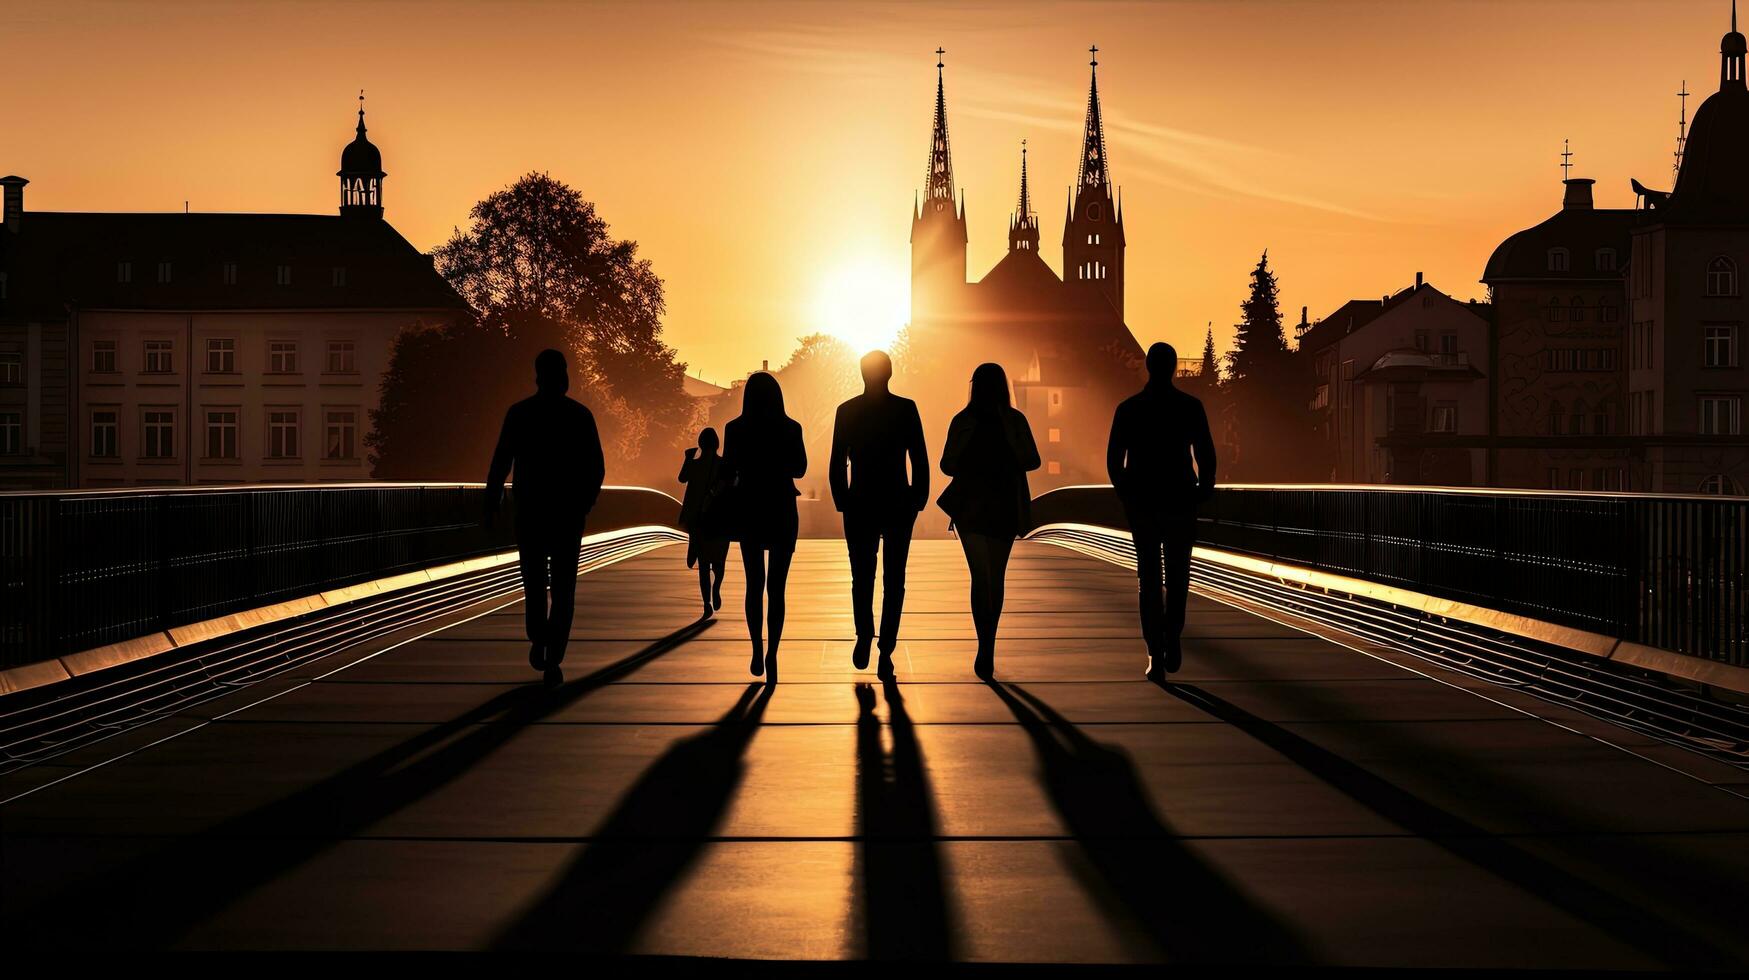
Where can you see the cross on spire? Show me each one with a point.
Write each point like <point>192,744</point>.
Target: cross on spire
<point>1566,160</point>
<point>1094,51</point>
<point>938,53</point>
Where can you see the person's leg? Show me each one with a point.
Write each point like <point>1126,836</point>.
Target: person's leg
<point>531,559</point>
<point>719,567</point>
<point>563,559</point>
<point>1180,536</point>
<point>777,579</point>
<point>753,565</point>
<point>862,540</point>
<point>977,549</point>
<point>897,534</point>
<point>997,573</point>
<point>704,576</point>
<point>1148,578</point>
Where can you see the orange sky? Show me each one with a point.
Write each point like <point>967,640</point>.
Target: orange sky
<point>760,151</point>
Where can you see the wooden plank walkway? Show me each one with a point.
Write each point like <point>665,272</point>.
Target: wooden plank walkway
<point>1287,799</point>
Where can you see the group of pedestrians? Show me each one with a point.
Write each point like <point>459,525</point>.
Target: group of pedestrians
<point>1160,459</point>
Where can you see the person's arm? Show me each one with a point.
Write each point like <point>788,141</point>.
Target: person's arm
<point>594,464</point>
<point>502,459</point>
<point>959,436</point>
<point>839,462</point>
<point>1021,442</point>
<point>1203,446</point>
<point>800,452</point>
<point>1116,450</point>
<point>919,453</point>
<point>686,464</point>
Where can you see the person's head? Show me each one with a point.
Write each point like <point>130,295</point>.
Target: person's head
<point>762,398</point>
<point>877,370</point>
<point>989,390</point>
<point>551,376</point>
<point>707,440</point>
<point>1162,363</point>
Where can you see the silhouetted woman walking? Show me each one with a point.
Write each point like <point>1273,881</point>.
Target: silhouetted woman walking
<point>707,537</point>
<point>988,453</point>
<point>763,450</point>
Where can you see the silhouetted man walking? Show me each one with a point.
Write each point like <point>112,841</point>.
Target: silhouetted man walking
<point>872,437</point>
<point>552,444</point>
<point>1154,436</point>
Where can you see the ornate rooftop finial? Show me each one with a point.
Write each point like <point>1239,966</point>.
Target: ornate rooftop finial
<point>1566,160</point>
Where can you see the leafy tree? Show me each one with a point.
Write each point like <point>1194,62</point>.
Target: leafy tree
<point>540,269</point>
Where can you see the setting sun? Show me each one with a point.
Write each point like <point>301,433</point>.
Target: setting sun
<point>864,303</point>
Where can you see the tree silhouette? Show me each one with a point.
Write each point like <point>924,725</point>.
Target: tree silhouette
<point>1267,390</point>
<point>540,269</point>
<point>1259,343</point>
<point>1210,375</point>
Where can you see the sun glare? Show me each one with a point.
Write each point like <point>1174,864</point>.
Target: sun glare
<point>864,303</point>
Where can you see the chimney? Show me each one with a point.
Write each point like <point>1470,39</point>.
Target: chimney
<point>765,366</point>
<point>1418,280</point>
<point>1578,194</point>
<point>14,201</point>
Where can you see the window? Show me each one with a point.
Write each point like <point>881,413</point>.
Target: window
<point>103,432</point>
<point>229,273</point>
<point>1560,260</point>
<point>339,275</point>
<point>124,272</point>
<point>1054,435</point>
<point>282,434</point>
<point>221,434</point>
<point>282,357</point>
<point>11,433</point>
<point>221,355</point>
<point>1557,419</point>
<point>1720,485</point>
<point>1093,211</point>
<point>1422,339</point>
<point>342,357</point>
<point>1576,421</point>
<point>1607,311</point>
<point>11,367</point>
<point>1721,277</point>
<point>1606,260</point>
<point>1610,478</point>
<point>1582,359</point>
<point>1056,398</point>
<point>159,429</point>
<point>103,357</point>
<point>1054,468</point>
<point>342,441</point>
<point>1642,344</point>
<point>1556,312</point>
<point>1444,417</point>
<point>1604,420</point>
<point>164,272</point>
<point>1554,478</point>
<point>1719,346</point>
<point>1576,311</point>
<point>282,275</point>
<point>1575,479</point>
<point>1721,415</point>
<point>158,356</point>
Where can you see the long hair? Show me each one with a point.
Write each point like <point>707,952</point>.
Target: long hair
<point>989,390</point>
<point>762,398</point>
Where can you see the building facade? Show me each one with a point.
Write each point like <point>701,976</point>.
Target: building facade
<point>205,348</point>
<point>1061,339</point>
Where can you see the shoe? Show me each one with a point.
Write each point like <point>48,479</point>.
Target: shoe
<point>717,596</point>
<point>985,664</point>
<point>1156,670</point>
<point>1174,656</point>
<point>537,656</point>
<point>757,664</point>
<point>709,611</point>
<point>552,676</point>
<point>884,666</point>
<point>859,656</point>
<point>771,668</point>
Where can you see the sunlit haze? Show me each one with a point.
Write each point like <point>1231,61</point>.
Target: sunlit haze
<point>766,157</point>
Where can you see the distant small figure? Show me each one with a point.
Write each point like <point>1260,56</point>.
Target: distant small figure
<point>872,437</point>
<point>701,515</point>
<point>764,453</point>
<point>989,451</point>
<point>552,444</point>
<point>1154,438</point>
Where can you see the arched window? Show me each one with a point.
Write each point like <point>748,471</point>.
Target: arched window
<point>1557,419</point>
<point>1560,260</point>
<point>1721,277</point>
<point>1576,312</point>
<point>1578,418</point>
<point>1093,212</point>
<point>1608,311</point>
<point>1557,312</point>
<point>1606,260</point>
<point>1603,423</point>
<point>1720,485</point>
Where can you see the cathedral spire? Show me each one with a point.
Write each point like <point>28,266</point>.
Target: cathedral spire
<point>1094,172</point>
<point>939,180</point>
<point>1023,227</point>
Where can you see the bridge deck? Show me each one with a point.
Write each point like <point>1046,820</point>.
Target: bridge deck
<point>1288,799</point>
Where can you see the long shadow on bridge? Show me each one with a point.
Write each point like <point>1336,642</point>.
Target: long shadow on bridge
<point>189,885</point>
<point>1639,925</point>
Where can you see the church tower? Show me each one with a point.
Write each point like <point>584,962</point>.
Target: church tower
<point>1093,239</point>
<point>1023,226</point>
<point>938,224</point>
<point>361,174</point>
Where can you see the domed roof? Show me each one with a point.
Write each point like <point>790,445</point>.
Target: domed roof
<point>1582,231</point>
<point>361,157</point>
<point>1714,182</point>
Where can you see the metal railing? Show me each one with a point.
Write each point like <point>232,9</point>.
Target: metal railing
<point>1666,571</point>
<point>83,569</point>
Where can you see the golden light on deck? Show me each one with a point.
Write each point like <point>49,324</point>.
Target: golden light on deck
<point>864,302</point>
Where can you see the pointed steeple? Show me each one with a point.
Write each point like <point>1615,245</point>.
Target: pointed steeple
<point>1094,172</point>
<point>938,183</point>
<point>1023,226</point>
